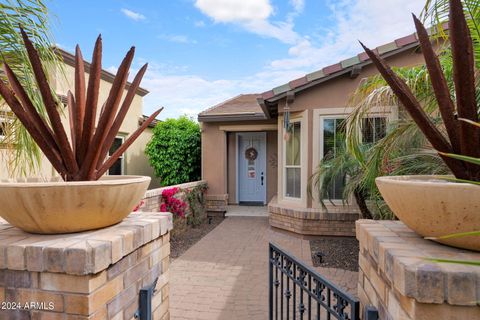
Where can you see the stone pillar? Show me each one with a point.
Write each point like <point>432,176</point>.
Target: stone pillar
<point>87,275</point>
<point>397,278</point>
<point>216,204</point>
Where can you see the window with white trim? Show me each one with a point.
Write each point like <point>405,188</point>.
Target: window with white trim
<point>333,134</point>
<point>373,129</point>
<point>293,161</point>
<point>118,166</point>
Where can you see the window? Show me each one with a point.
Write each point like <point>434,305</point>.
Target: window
<point>2,129</point>
<point>6,120</point>
<point>118,166</point>
<point>373,129</point>
<point>333,135</point>
<point>293,161</point>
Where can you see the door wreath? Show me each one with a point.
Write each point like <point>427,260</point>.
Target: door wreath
<point>251,154</point>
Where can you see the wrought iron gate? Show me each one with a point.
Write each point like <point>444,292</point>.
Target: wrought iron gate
<point>297,291</point>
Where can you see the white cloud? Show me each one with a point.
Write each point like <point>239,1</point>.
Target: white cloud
<point>235,10</point>
<point>252,15</point>
<point>133,15</point>
<point>298,5</point>
<point>190,94</point>
<point>351,20</point>
<point>199,24</point>
<point>177,38</point>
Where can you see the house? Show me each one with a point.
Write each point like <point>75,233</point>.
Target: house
<point>132,162</point>
<point>249,158</point>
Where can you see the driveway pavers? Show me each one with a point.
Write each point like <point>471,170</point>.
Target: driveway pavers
<point>225,275</point>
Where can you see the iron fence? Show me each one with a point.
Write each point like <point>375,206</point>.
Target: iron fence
<point>297,291</point>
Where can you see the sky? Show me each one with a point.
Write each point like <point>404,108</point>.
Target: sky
<point>202,52</point>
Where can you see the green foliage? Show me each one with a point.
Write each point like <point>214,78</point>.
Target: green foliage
<point>196,202</point>
<point>174,151</point>
<point>24,156</point>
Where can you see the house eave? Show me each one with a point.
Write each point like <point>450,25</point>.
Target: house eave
<point>270,104</point>
<point>231,117</point>
<point>69,59</point>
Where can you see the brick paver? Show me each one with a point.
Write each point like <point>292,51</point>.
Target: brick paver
<point>225,275</point>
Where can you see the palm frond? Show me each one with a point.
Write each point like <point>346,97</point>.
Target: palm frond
<point>22,153</point>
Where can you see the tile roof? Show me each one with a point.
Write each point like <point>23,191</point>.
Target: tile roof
<point>340,66</point>
<point>246,104</point>
<point>243,105</point>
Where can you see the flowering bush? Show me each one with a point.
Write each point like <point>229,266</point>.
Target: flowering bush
<point>137,207</point>
<point>172,204</point>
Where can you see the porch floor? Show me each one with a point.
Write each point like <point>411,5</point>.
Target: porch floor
<point>225,274</point>
<point>246,211</point>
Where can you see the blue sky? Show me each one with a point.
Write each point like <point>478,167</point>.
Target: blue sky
<point>201,52</point>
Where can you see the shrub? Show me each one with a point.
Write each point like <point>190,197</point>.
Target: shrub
<point>171,204</point>
<point>174,151</point>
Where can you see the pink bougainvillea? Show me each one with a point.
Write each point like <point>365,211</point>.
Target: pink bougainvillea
<point>137,207</point>
<point>172,204</point>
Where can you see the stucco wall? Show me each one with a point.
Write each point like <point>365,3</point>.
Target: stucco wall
<point>217,163</point>
<point>337,92</point>
<point>232,167</point>
<point>329,98</point>
<point>271,165</point>
<point>136,163</point>
<point>218,148</point>
<point>214,158</point>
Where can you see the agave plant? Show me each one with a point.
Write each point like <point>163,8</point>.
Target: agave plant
<point>462,138</point>
<point>83,158</point>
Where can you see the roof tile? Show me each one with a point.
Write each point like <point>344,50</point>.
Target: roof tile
<point>406,40</point>
<point>315,75</point>
<point>268,94</point>
<point>387,48</point>
<point>332,68</point>
<point>350,62</point>
<point>241,104</point>
<point>298,82</point>
<point>281,89</point>
<point>364,56</point>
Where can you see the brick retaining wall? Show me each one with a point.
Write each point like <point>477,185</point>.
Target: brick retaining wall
<point>88,275</point>
<point>309,221</point>
<point>396,278</point>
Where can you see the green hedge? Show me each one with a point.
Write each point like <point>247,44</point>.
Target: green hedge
<point>174,151</point>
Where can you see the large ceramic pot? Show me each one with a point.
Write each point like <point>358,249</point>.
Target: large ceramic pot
<point>64,207</point>
<point>434,207</point>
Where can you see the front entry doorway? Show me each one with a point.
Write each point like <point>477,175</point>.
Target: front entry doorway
<point>251,168</point>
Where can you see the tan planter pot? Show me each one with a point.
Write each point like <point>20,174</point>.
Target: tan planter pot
<point>433,207</point>
<point>64,207</point>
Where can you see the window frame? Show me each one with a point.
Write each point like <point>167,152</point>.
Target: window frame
<point>322,142</point>
<point>121,158</point>
<point>285,166</point>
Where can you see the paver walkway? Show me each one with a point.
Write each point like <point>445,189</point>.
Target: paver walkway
<point>225,275</point>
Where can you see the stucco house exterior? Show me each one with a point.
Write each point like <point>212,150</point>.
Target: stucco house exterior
<point>249,158</point>
<point>133,161</point>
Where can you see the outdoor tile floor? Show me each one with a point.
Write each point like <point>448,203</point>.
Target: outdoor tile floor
<point>225,275</point>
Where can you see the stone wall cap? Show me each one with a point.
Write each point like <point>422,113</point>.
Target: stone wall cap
<point>80,253</point>
<point>405,259</point>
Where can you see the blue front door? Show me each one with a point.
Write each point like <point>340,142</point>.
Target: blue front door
<point>252,180</point>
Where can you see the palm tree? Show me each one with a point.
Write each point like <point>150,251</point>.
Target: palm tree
<point>403,150</point>
<point>18,149</point>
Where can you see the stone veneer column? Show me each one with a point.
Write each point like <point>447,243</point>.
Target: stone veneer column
<point>396,277</point>
<point>87,275</point>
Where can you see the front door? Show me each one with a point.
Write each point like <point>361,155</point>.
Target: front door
<point>252,179</point>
